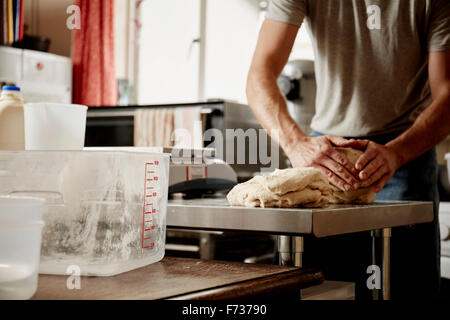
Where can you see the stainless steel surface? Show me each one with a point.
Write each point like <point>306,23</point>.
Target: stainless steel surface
<point>284,250</point>
<point>290,251</point>
<point>126,113</point>
<point>216,214</point>
<point>375,234</point>
<point>302,91</point>
<point>297,251</point>
<point>189,153</point>
<point>381,255</point>
<point>207,246</point>
<point>112,114</point>
<point>240,118</point>
<point>386,234</point>
<point>355,218</point>
<point>205,241</point>
<point>182,247</point>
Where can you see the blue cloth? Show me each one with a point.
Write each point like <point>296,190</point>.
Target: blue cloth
<point>415,250</point>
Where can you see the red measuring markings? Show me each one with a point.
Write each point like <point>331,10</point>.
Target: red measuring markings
<point>149,194</point>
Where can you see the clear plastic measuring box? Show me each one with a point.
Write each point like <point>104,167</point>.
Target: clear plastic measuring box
<point>105,211</point>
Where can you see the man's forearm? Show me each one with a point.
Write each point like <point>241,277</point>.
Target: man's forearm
<point>431,127</point>
<point>269,107</point>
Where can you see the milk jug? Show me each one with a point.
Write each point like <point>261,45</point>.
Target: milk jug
<point>12,136</point>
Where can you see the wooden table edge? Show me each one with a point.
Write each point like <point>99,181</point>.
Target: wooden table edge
<point>267,286</point>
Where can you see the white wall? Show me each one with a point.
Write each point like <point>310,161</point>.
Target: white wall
<point>302,47</point>
<point>168,69</point>
<point>171,72</point>
<point>121,44</point>
<point>231,33</point>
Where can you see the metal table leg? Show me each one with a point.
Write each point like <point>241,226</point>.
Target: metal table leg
<point>290,251</point>
<point>375,236</point>
<point>387,263</point>
<point>382,251</point>
<point>207,246</point>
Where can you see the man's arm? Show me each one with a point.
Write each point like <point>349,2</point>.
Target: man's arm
<point>269,106</point>
<point>379,163</point>
<point>265,98</point>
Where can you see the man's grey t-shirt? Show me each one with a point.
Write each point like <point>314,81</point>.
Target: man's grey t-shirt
<point>371,59</point>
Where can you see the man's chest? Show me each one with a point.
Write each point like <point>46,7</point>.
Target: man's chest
<point>389,18</point>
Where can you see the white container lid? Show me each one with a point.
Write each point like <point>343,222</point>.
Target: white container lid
<point>447,156</point>
<point>21,209</point>
<point>53,104</point>
<point>20,201</point>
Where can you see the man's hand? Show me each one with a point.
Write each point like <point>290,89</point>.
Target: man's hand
<point>377,165</point>
<point>320,152</point>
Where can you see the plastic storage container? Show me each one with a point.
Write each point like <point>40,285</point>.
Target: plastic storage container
<point>20,244</point>
<point>54,126</point>
<point>105,211</point>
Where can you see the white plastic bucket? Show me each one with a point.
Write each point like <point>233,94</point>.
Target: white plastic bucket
<point>53,126</point>
<point>20,244</point>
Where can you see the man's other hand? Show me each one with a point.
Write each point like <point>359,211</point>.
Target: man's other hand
<point>377,165</point>
<point>320,152</point>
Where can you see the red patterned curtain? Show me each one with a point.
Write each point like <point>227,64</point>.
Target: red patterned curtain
<point>94,78</point>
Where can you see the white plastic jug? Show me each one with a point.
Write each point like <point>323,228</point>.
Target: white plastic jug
<point>12,135</point>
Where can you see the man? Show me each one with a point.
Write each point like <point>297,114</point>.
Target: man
<point>383,86</point>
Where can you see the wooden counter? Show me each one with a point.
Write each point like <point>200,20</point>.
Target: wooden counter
<point>181,278</point>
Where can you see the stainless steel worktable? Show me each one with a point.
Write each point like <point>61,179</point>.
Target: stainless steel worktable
<point>291,224</point>
<point>216,214</point>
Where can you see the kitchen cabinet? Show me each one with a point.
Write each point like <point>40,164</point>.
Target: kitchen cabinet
<point>10,64</point>
<point>46,68</point>
<point>41,76</point>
